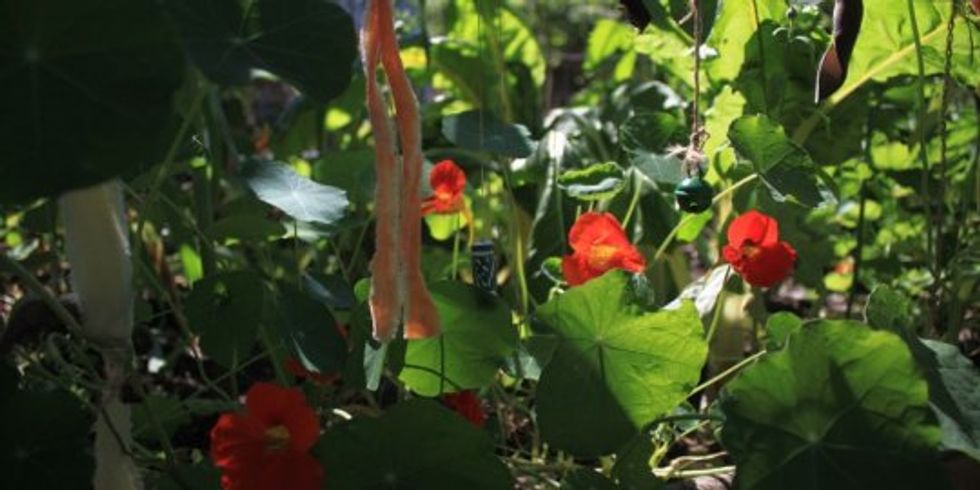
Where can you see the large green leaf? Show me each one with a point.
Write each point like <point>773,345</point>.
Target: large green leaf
<point>886,46</point>
<point>299,197</point>
<point>954,382</point>
<point>477,336</point>
<point>737,21</point>
<point>85,92</point>
<point>785,167</point>
<point>842,407</point>
<point>226,310</point>
<point>416,444</point>
<point>309,43</point>
<point>614,366</point>
<point>44,441</point>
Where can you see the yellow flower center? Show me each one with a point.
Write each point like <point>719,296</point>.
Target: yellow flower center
<point>750,252</point>
<point>277,438</point>
<point>601,255</point>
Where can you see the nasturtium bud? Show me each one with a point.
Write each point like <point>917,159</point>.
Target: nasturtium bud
<point>694,195</point>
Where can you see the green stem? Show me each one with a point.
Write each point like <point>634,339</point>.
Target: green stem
<point>727,372</point>
<point>718,308</point>
<point>858,253</point>
<point>637,191</point>
<point>35,286</point>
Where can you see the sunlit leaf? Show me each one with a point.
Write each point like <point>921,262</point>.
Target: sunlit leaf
<point>614,367</point>
<point>476,337</point>
<point>842,406</point>
<point>297,196</point>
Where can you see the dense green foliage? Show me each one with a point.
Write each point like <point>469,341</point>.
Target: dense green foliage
<point>240,131</point>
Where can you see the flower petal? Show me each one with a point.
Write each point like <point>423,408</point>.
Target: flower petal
<point>755,227</point>
<point>575,269</point>
<point>237,442</point>
<point>447,179</point>
<point>274,405</point>
<point>769,266</point>
<point>594,229</point>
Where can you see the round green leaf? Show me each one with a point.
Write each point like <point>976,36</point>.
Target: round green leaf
<point>615,367</point>
<point>954,381</point>
<point>477,336</point>
<point>85,92</point>
<point>226,310</point>
<point>415,444</point>
<point>301,198</point>
<point>482,131</point>
<point>842,407</point>
<point>593,183</point>
<point>309,43</point>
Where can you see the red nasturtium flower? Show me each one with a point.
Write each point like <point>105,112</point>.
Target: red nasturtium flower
<point>467,404</point>
<point>756,253</point>
<point>448,182</point>
<point>266,447</point>
<point>599,244</point>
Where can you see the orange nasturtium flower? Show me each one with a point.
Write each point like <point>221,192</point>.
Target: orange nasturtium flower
<point>599,244</point>
<point>448,182</point>
<point>756,253</point>
<point>266,447</point>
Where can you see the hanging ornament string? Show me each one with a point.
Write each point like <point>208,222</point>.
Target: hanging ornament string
<point>698,133</point>
<point>693,194</point>
<point>943,142</point>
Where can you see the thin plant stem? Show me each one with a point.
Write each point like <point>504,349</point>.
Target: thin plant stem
<point>920,102</point>
<point>722,375</point>
<point>858,253</point>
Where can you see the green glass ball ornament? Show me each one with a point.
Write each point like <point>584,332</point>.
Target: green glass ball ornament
<point>694,195</point>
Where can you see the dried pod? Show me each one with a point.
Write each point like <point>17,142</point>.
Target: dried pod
<point>636,12</point>
<point>833,64</point>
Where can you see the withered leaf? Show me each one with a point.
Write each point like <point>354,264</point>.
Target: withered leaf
<point>636,13</point>
<point>833,64</point>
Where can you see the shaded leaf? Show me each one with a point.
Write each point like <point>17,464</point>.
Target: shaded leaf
<point>86,92</point>
<point>310,332</point>
<point>482,131</point>
<point>44,430</point>
<point>309,43</point>
<point>226,310</point>
<point>410,446</point>
<point>245,227</point>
